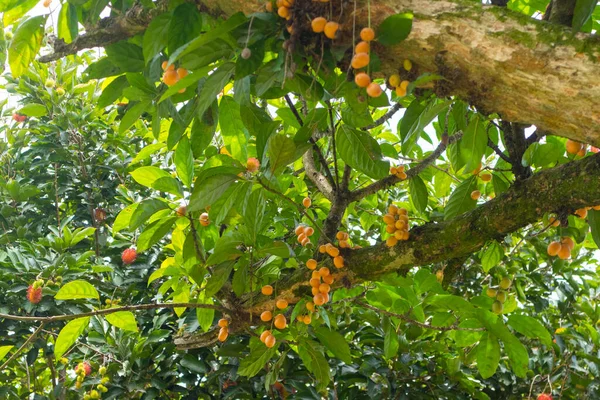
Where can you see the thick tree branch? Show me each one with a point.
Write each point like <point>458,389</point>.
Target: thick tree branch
<point>316,177</point>
<point>391,180</point>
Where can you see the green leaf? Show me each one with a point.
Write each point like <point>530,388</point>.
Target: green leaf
<point>394,29</point>
<point>144,211</point>
<point>530,327</point>
<point>390,340</point>
<point>233,130</point>
<point>488,355</point>
<point>33,110</point>
<point>517,355</point>
<point>186,25</point>
<point>156,35</point>
<point>123,319</point>
<point>213,86</point>
<point>473,143</point>
<point>77,290</point>
<point>334,342</point>
<point>314,361</point>
<point>231,23</point>
<point>491,256</point>
<point>208,191</point>
<point>154,232</point>
<point>256,360</point>
<point>583,12</point>
<point>25,44</point>
<point>112,92</point>
<point>359,150</point>
<point>282,151</point>
<point>156,178</point>
<point>418,193</point>
<point>594,221</point>
<point>67,22</point>
<point>133,114</point>
<point>253,213</point>
<point>241,279</point>
<point>184,161</point>
<point>205,316</point>
<point>219,276</point>
<point>69,334</point>
<point>460,200</point>
<point>4,350</point>
<point>468,338</point>
<point>123,218</point>
<point>127,56</point>
<point>226,248</point>
<point>17,10</point>
<point>416,119</point>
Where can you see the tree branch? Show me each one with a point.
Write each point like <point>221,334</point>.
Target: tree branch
<point>29,340</point>
<point>380,121</point>
<point>497,150</point>
<point>391,180</point>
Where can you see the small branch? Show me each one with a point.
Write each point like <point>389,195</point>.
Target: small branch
<point>29,340</point>
<point>68,317</point>
<point>346,178</point>
<point>391,180</point>
<point>197,243</point>
<point>497,150</point>
<point>334,150</point>
<point>417,323</point>
<point>380,121</point>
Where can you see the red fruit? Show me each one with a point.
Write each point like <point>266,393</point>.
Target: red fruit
<point>544,396</point>
<point>19,118</point>
<point>252,165</point>
<point>87,368</point>
<point>129,256</point>
<point>34,295</point>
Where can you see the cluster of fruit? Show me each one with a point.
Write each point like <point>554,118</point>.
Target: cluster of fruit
<point>578,149</point>
<point>334,252</point>
<point>224,331</point>
<point>112,303</point>
<point>397,83</point>
<point>328,28</point>
<point>583,212</point>
<point>171,75</point>
<point>398,172</point>
<point>303,234</point>
<point>397,224</point>
<point>280,322</point>
<point>83,370</point>
<point>562,248</point>
<point>361,59</point>
<point>18,117</point>
<point>499,294</point>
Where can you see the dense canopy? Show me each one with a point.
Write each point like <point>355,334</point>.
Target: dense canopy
<point>341,199</point>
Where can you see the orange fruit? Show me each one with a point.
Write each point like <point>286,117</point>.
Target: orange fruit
<point>389,219</point>
<point>182,73</point>
<point>318,24</point>
<point>324,271</point>
<point>573,147</point>
<point>553,249</point>
<point>170,77</point>
<point>311,264</point>
<point>307,319</point>
<point>314,282</point>
<point>341,235</point>
<point>309,231</point>
<point>223,333</point>
<point>264,335</point>
<point>310,306</point>
<point>391,241</point>
<point>390,228</point>
<point>392,210</point>
<point>305,242</point>
<point>331,29</point>
<point>343,244</point>
<point>404,85</point>
<point>338,261</point>
<point>403,211</point>
<point>374,90</point>
<point>267,290</point>
<point>322,249</point>
<point>325,297</point>
<point>333,251</point>
<point>315,291</point>
<point>567,241</point>
<point>564,252</point>
<point>486,176</point>
<point>316,275</point>
<point>400,224</point>
<point>360,60</point>
<point>328,279</point>
<point>581,213</point>
<point>270,341</point>
<point>367,34</point>
<point>281,304</point>
<point>301,237</point>
<point>266,316</point>
<point>269,6</point>
<point>362,79</point>
<point>362,47</point>
<point>223,323</point>
<point>319,299</point>
<point>283,12</point>
<point>475,194</point>
<point>306,202</point>
<point>400,91</point>
<point>280,321</point>
<point>299,230</point>
<point>324,288</point>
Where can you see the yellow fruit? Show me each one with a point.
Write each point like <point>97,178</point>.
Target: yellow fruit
<point>391,241</point>
<point>395,80</point>
<point>505,283</point>
<point>283,12</point>
<point>490,292</point>
<point>310,306</point>
<point>501,297</point>
<point>553,249</point>
<point>400,224</point>
<point>322,249</point>
<point>407,65</point>
<point>367,34</point>
<point>403,211</point>
<point>392,210</point>
<point>360,60</point>
<point>400,91</point>
<point>390,228</point>
<point>331,29</point>
<point>389,219</point>
<point>318,24</point>
<point>266,316</point>
<point>497,307</point>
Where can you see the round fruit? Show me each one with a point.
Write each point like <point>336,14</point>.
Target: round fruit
<point>264,335</point>
<point>223,323</point>
<point>252,164</point>
<point>246,53</point>
<point>182,73</point>
<point>362,79</point>
<point>309,231</point>
<point>581,213</point>
<point>170,77</point>
<point>324,288</point>
<point>475,194</point>
<point>47,3</point>
<point>307,319</point>
<point>281,304</point>
<point>391,241</point>
<point>573,147</point>
<point>319,299</point>
<point>331,29</point>
<point>395,80</point>
<point>49,83</point>
<point>389,219</point>
<point>315,291</point>
<point>362,47</point>
<point>318,24</point>
<point>374,90</point>
<point>501,297</point>
<point>497,307</point>
<point>267,290</point>
<point>564,252</point>
<point>338,261</point>
<point>505,283</point>
<point>567,241</point>
<point>299,230</point>
<point>34,295</point>
<point>544,396</point>
<point>181,211</point>
<point>328,279</point>
<point>310,306</point>
<point>439,276</point>
<point>311,263</point>
<point>283,12</point>
<point>360,60</point>
<point>270,341</point>
<point>333,251</point>
<point>553,249</point>
<point>266,316</point>
<point>486,176</point>
<point>280,321</point>
<point>306,202</point>
<point>400,91</point>
<point>367,34</point>
<point>324,271</point>
<point>314,282</point>
<point>129,256</point>
<point>407,65</point>
<point>269,6</point>
<point>490,292</point>
<point>223,333</point>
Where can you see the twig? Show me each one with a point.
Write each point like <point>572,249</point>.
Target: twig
<point>498,151</point>
<point>29,340</point>
<point>383,119</point>
<point>334,151</point>
<point>197,244</point>
<point>68,317</point>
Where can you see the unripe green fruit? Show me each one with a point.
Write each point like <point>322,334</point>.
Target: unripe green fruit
<point>8,35</point>
<point>94,394</point>
<point>86,397</point>
<point>80,378</point>
<point>102,370</point>
<point>50,83</point>
<point>491,292</point>
<point>497,307</point>
<point>105,380</point>
<point>501,297</point>
<point>60,91</point>
<point>505,283</point>
<point>102,388</point>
